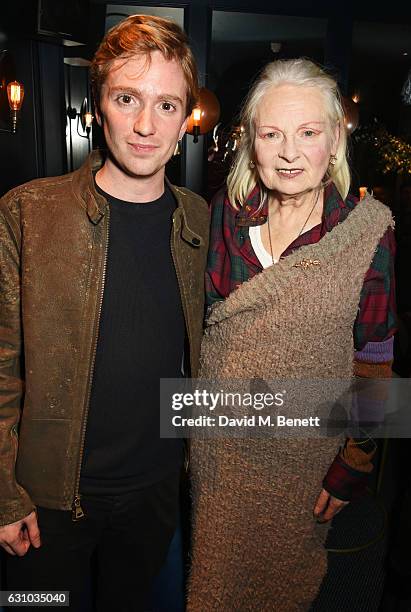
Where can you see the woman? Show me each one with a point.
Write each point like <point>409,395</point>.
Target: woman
<point>319,270</point>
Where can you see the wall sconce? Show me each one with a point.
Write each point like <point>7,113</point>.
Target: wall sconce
<point>406,89</point>
<point>196,123</point>
<point>363,192</point>
<point>15,95</point>
<point>205,115</point>
<point>84,118</point>
<point>233,141</point>
<point>352,114</point>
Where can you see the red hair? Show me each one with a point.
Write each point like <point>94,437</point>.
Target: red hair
<point>141,35</point>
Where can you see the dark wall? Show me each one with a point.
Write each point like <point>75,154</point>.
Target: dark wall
<point>19,153</point>
<point>37,149</point>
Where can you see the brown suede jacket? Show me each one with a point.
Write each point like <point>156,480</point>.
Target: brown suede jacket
<point>53,248</point>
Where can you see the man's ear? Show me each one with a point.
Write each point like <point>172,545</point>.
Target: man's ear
<point>98,116</point>
<point>183,129</point>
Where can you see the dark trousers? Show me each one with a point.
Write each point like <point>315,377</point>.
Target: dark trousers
<point>125,538</point>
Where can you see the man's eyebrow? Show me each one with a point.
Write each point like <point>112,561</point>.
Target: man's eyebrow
<point>125,88</point>
<point>166,96</point>
<point>137,92</point>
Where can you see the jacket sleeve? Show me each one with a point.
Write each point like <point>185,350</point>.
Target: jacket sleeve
<point>15,503</point>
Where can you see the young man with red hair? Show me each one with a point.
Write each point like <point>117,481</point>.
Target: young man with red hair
<point>102,295</point>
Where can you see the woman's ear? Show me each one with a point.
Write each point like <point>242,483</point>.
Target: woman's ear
<point>335,138</point>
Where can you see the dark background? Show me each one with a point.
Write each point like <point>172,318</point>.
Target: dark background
<point>363,43</point>
<point>367,45</point>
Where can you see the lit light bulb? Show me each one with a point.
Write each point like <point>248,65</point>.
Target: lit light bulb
<point>88,119</point>
<point>196,123</point>
<point>363,192</point>
<point>15,94</point>
<point>196,116</point>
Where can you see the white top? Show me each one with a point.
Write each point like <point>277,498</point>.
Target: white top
<point>263,256</point>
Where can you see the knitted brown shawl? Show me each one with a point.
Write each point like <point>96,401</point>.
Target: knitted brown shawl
<point>256,545</point>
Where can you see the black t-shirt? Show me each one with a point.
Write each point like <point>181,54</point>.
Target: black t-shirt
<point>141,339</point>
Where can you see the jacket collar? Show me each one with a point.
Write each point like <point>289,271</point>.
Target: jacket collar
<point>84,188</point>
<point>335,208</point>
<point>180,216</point>
<point>95,204</point>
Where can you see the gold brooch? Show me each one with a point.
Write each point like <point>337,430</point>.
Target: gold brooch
<point>307,263</point>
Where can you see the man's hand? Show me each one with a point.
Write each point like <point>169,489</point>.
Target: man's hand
<point>327,506</point>
<point>17,537</point>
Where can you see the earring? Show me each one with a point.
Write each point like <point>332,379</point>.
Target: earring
<point>251,164</point>
<point>333,160</point>
<point>177,149</point>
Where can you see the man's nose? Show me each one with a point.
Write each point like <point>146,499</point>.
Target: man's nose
<point>144,122</point>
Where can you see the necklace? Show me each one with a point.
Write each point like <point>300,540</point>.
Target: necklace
<point>301,230</point>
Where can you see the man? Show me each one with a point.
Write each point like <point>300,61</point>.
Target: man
<point>101,296</point>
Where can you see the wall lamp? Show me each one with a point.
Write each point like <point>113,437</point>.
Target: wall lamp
<point>196,123</point>
<point>205,115</point>
<point>84,118</point>
<point>15,95</point>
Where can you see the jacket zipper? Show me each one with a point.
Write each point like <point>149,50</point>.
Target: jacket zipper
<point>77,511</point>
<point>181,286</point>
<point>183,300</point>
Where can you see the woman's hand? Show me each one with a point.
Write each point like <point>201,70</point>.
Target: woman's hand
<point>327,506</point>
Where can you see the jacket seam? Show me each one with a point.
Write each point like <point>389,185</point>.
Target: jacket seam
<point>12,226</point>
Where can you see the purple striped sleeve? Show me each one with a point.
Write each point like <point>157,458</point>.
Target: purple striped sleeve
<point>377,352</point>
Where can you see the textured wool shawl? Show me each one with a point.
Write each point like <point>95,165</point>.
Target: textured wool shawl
<point>256,545</point>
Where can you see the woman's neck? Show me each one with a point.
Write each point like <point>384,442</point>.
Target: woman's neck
<point>288,218</point>
<point>294,206</point>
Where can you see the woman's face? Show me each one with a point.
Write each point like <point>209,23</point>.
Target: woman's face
<point>294,139</point>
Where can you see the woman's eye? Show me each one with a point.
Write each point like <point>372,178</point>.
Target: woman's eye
<point>271,135</point>
<point>309,133</point>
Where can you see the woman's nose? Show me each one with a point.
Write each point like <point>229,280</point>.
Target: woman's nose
<point>288,149</point>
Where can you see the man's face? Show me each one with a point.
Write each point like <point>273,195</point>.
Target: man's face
<point>142,112</point>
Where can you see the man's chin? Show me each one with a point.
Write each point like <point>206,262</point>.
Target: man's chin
<point>143,173</point>
<point>142,170</point>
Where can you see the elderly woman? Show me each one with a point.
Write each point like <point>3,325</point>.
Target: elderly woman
<point>318,303</point>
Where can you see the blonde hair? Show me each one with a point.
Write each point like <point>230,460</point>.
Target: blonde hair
<point>303,72</point>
